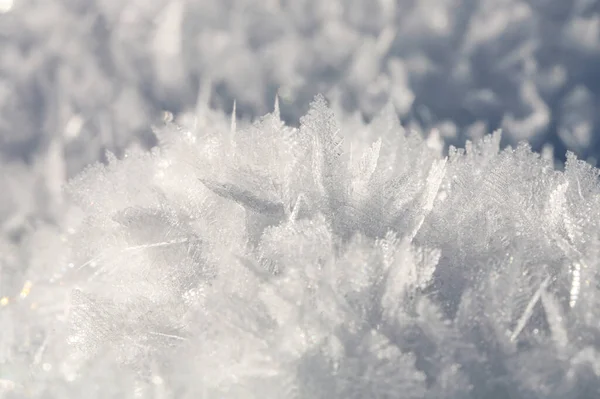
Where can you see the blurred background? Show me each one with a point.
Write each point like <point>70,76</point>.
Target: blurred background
<point>79,77</point>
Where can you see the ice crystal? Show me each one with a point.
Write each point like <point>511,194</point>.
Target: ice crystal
<point>334,260</point>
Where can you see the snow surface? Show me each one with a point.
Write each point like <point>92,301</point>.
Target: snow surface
<point>346,250</point>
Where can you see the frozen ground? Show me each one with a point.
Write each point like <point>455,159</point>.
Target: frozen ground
<point>325,267</point>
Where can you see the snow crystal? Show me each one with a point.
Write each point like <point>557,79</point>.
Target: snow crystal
<point>337,260</point>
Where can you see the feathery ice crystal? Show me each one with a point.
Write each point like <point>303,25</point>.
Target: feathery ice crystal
<point>78,77</point>
<point>333,260</point>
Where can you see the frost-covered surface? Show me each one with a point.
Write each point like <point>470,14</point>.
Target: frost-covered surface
<point>336,260</point>
<point>331,260</point>
<point>96,71</point>
<point>78,77</point>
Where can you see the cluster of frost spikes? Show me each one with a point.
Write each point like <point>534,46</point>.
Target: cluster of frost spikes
<point>78,77</point>
<point>335,260</point>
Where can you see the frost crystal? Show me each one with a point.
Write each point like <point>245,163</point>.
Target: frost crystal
<point>336,260</point>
